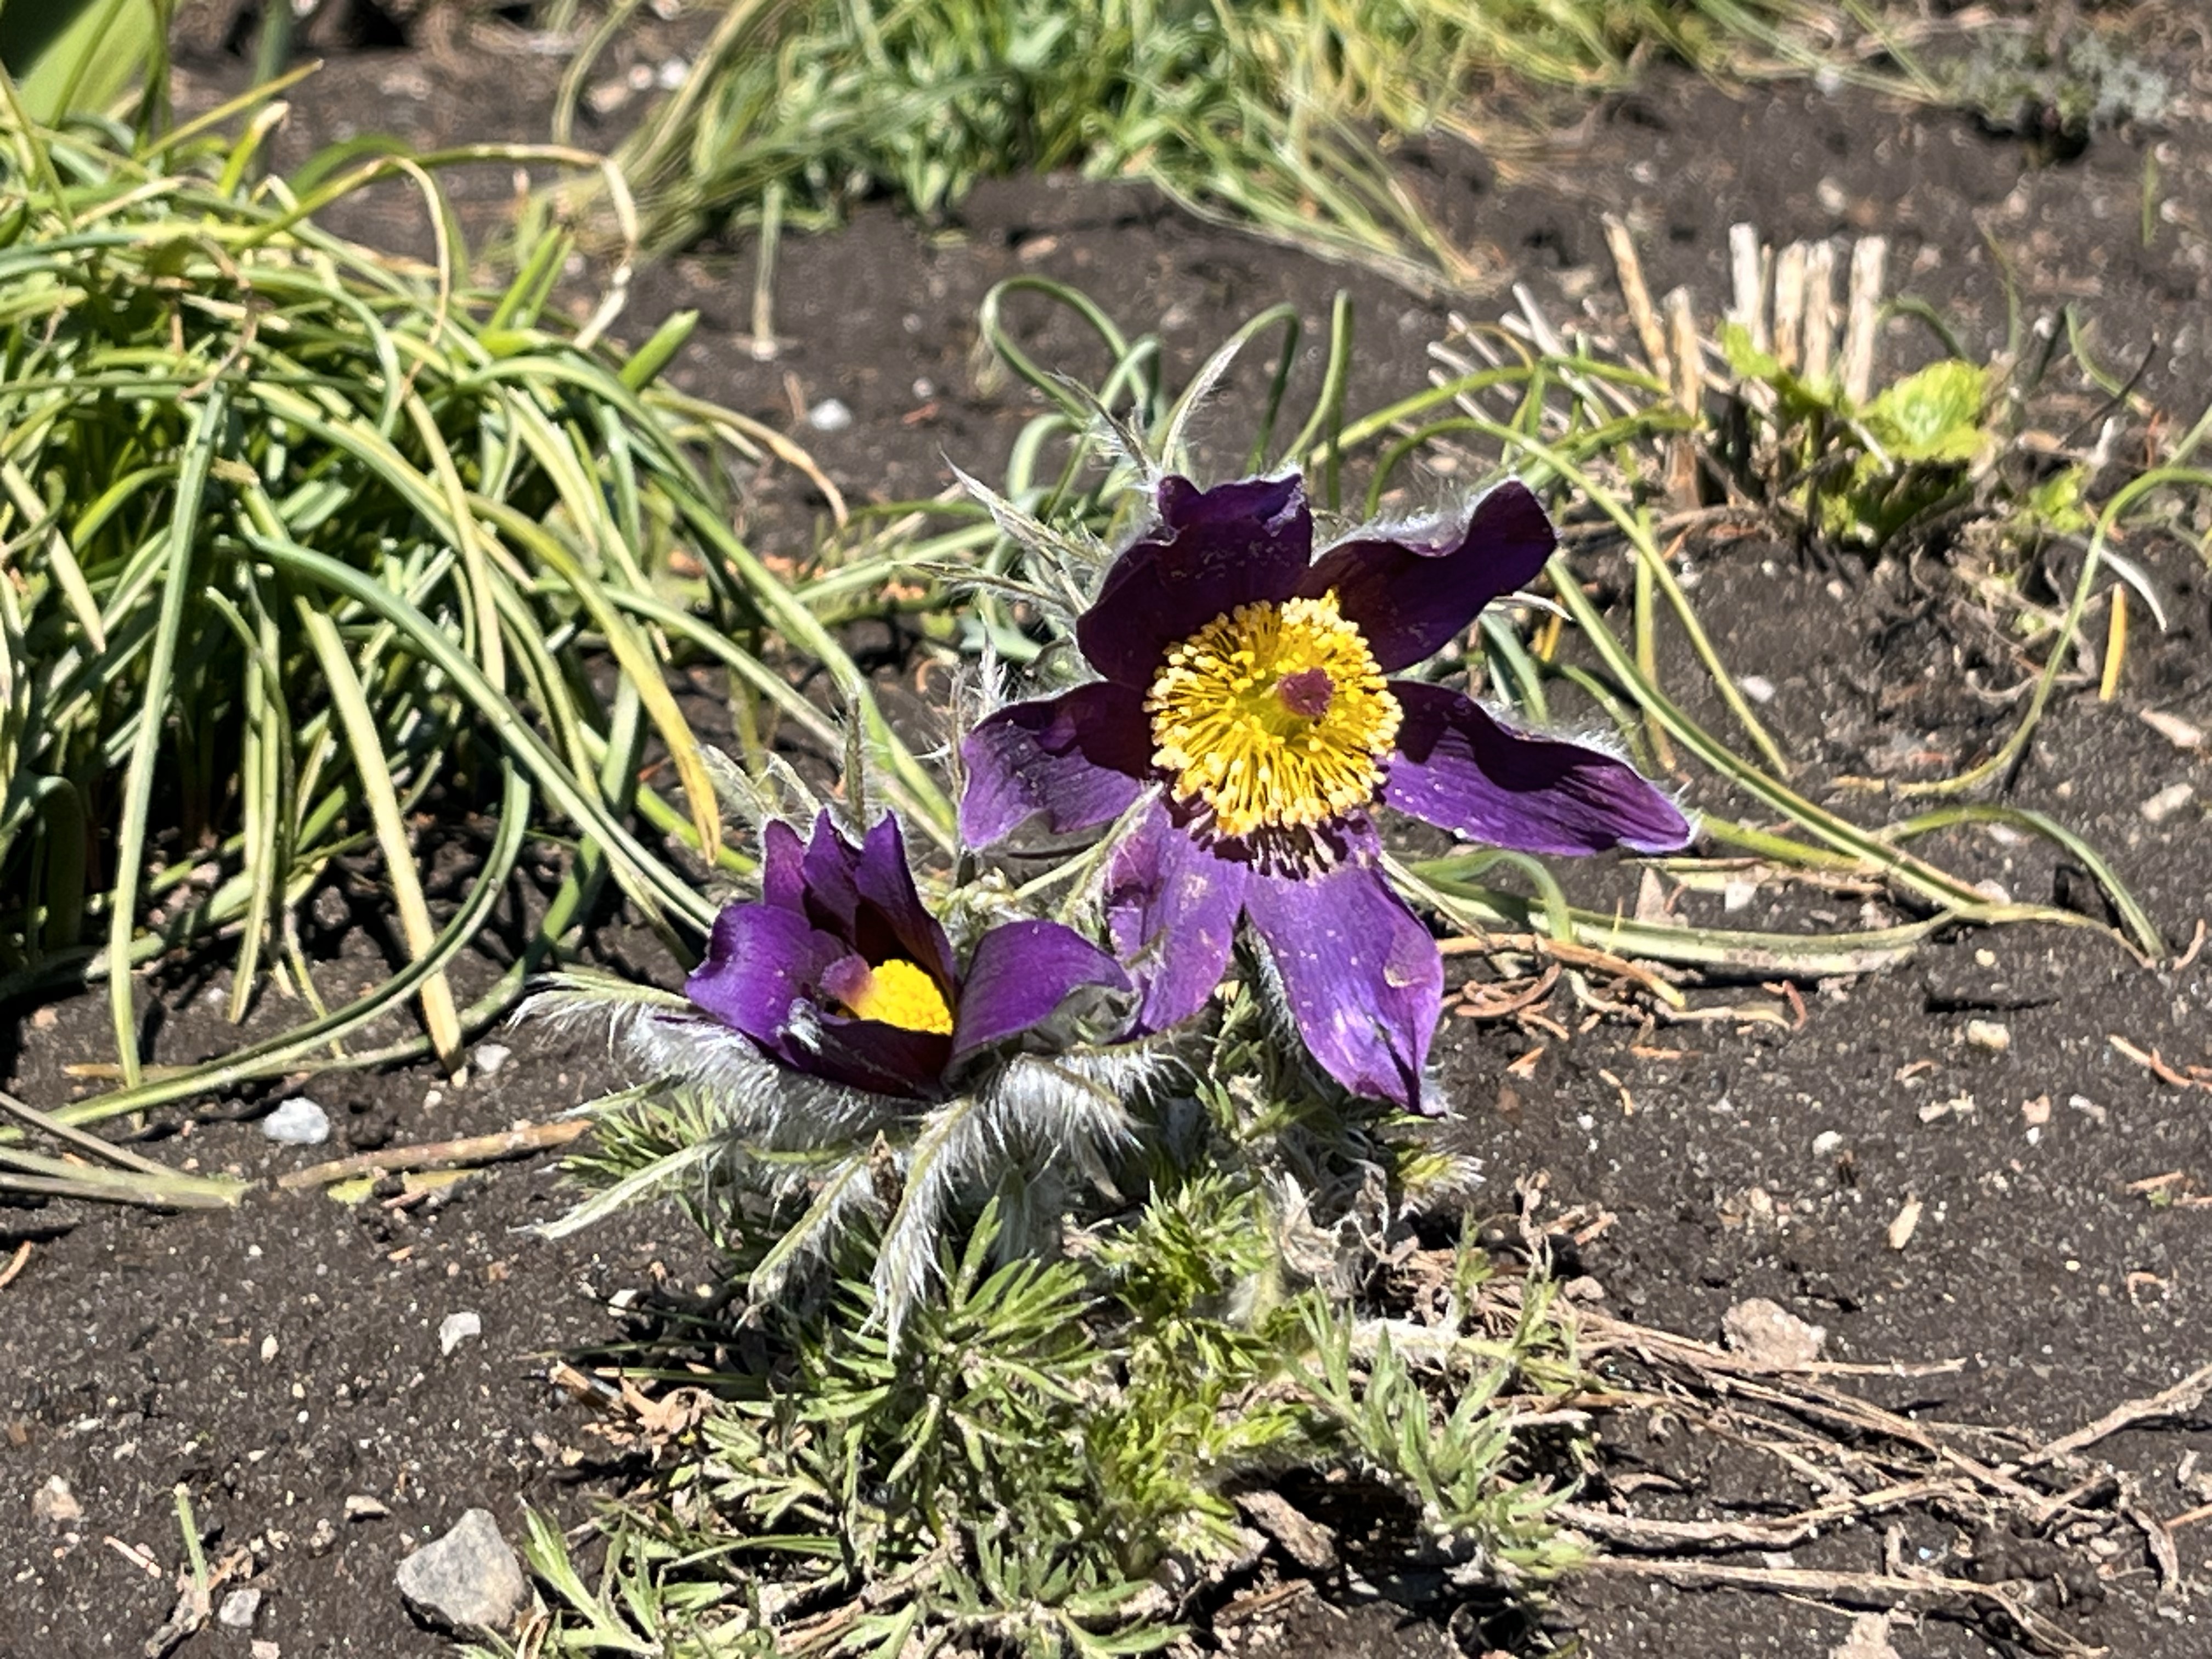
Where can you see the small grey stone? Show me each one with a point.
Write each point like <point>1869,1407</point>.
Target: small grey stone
<point>457,1328</point>
<point>2168,801</point>
<point>1770,1335</point>
<point>1307,1543</point>
<point>298,1122</point>
<point>830,415</point>
<point>468,1580</point>
<point>239,1609</point>
<point>490,1057</point>
<point>55,1504</point>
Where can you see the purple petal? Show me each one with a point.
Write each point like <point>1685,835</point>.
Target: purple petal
<point>1409,595</point>
<point>866,895</point>
<point>886,884</point>
<point>1171,911</point>
<point>760,960</point>
<point>826,885</point>
<point>1364,978</point>
<point>1460,770</point>
<point>1019,975</point>
<point>1212,550</point>
<point>883,1058</point>
<point>782,855</point>
<point>1077,758</point>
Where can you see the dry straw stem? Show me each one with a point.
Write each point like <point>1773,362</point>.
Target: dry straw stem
<point>464,1153</point>
<point>1747,269</point>
<point>1688,354</point>
<point>1863,313</point>
<point>1866,1462</point>
<point>1790,304</point>
<point>1817,358</point>
<point>1636,293</point>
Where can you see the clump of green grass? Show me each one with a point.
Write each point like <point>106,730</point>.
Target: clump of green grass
<point>1277,115</point>
<point>1957,460</point>
<point>315,552</point>
<point>2057,83</point>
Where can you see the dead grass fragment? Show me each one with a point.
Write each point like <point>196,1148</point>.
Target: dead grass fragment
<point>518,1142</point>
<point>1868,1468</point>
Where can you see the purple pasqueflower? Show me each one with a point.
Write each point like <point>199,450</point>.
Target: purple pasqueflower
<point>1248,681</point>
<point>838,971</point>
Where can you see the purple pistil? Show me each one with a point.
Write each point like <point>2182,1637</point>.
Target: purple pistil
<point>1306,693</point>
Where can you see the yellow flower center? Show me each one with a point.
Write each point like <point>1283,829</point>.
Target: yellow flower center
<point>897,992</point>
<point>1273,716</point>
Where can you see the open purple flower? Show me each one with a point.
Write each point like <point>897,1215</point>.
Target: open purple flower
<point>1249,681</point>
<point>839,973</point>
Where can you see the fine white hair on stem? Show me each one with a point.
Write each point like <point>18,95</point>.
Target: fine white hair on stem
<point>1072,563</point>
<point>1116,435</point>
<point>648,1182</point>
<point>1016,1132</point>
<point>846,1197</point>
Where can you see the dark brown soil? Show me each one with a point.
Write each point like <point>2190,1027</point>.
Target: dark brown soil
<point>282,1359</point>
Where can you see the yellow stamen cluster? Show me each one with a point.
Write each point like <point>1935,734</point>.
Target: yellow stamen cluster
<point>899,993</point>
<point>1273,716</point>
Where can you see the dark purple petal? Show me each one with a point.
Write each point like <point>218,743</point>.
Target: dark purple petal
<point>866,895</point>
<point>1410,593</point>
<point>760,961</point>
<point>1077,758</point>
<point>1019,975</point>
<point>1212,550</point>
<point>1364,978</point>
<point>1171,911</point>
<point>886,885</point>
<point>782,855</point>
<point>1458,769</point>
<point>826,885</point>
<point>883,1058</point>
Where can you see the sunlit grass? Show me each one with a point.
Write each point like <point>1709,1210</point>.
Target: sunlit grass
<point>1279,116</point>
<point>316,553</point>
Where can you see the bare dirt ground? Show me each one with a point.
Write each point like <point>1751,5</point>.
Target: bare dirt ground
<point>284,1359</point>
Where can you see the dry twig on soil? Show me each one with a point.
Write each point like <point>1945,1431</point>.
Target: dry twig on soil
<point>518,1142</point>
<point>1864,1462</point>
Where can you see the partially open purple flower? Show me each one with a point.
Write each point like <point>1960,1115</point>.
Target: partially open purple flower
<point>1249,682</point>
<point>838,972</point>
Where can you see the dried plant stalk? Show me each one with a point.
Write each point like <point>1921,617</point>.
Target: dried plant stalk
<point>1638,294</point>
<point>1790,304</point>
<point>1863,313</point>
<point>1747,263</point>
<point>1689,392</point>
<point>1820,310</point>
